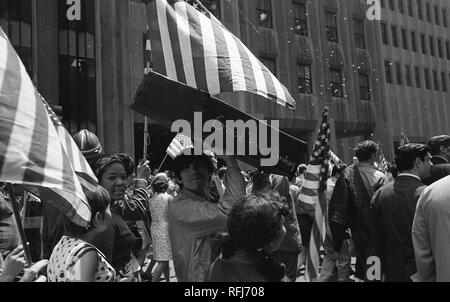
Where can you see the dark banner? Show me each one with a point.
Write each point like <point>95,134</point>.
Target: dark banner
<point>161,98</point>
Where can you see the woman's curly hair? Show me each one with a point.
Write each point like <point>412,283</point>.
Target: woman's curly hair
<point>254,221</point>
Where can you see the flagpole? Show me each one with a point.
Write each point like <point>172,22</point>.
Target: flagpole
<point>19,224</point>
<point>160,166</point>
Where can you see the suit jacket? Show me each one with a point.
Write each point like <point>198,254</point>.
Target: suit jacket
<point>430,232</point>
<point>349,206</point>
<point>393,208</point>
<point>440,169</point>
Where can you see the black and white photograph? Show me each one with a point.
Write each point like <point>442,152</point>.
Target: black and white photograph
<point>222,142</point>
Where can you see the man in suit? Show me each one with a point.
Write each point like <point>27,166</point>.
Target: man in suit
<point>393,207</point>
<point>440,151</point>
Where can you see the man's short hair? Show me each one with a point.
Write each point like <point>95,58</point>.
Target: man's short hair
<point>436,142</point>
<point>407,154</point>
<point>365,149</point>
<point>184,161</point>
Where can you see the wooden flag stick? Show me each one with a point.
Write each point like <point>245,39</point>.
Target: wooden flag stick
<point>19,223</point>
<point>162,163</point>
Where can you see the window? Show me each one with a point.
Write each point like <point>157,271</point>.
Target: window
<point>384,34</point>
<point>404,39</point>
<point>364,86</point>
<point>391,4</point>
<point>417,76</point>
<point>300,21</point>
<point>401,8</point>
<point>77,68</point>
<point>423,44</point>
<point>213,6</point>
<point>428,11</point>
<point>444,81</point>
<point>264,13</point>
<point>304,78</point>
<point>410,8</point>
<point>408,76</point>
<point>419,10</point>
<point>413,41</point>
<point>15,20</point>
<point>431,46</point>
<point>359,33</point>
<point>388,71</point>
<point>331,27</point>
<point>447,49</point>
<point>337,86</point>
<point>382,3</point>
<point>270,63</point>
<point>426,72</point>
<point>444,17</point>
<point>398,74</point>
<point>439,46</point>
<point>394,35</point>
<point>436,15</point>
<point>435,80</point>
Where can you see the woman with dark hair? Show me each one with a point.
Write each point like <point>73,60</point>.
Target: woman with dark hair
<point>118,241</point>
<point>159,209</point>
<point>76,257</point>
<point>255,229</point>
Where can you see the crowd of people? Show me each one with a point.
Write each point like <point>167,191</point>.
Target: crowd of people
<point>217,223</point>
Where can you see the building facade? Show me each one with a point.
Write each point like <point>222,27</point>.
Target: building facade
<point>415,38</point>
<point>91,61</point>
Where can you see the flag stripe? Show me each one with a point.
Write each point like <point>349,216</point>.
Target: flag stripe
<point>249,76</point>
<point>36,160</point>
<point>174,41</point>
<point>156,41</point>
<point>211,71</point>
<point>223,58</point>
<point>8,82</point>
<point>165,40</point>
<point>185,43</point>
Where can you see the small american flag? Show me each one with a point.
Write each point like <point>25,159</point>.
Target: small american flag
<point>35,149</point>
<point>313,195</point>
<point>178,144</point>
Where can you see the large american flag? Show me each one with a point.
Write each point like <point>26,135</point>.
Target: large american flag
<point>35,149</point>
<point>179,144</point>
<point>194,48</point>
<point>313,194</point>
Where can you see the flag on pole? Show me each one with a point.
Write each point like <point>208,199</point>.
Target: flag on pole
<point>404,139</point>
<point>383,166</point>
<point>313,194</point>
<point>335,159</point>
<point>178,144</point>
<point>194,48</point>
<point>35,149</point>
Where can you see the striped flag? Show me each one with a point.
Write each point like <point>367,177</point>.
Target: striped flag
<point>178,144</point>
<point>35,149</point>
<point>313,195</point>
<point>194,48</point>
<point>404,139</point>
<point>383,166</point>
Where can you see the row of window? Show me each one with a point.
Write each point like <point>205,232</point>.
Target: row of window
<point>440,15</point>
<point>410,41</point>
<point>305,79</point>
<point>304,82</point>
<point>300,22</point>
<point>413,76</point>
